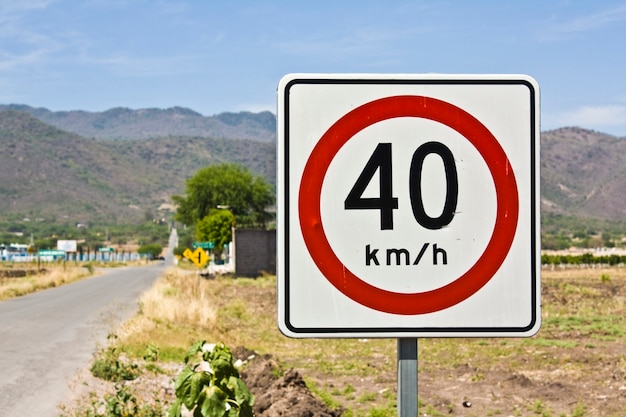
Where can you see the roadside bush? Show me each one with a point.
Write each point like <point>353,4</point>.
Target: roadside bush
<point>110,367</point>
<point>584,259</point>
<point>152,249</point>
<point>121,403</point>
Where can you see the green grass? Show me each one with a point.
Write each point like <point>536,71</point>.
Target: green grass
<point>604,327</point>
<point>324,394</point>
<point>581,312</point>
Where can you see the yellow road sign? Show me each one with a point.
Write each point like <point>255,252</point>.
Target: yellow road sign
<point>188,253</point>
<point>199,257</point>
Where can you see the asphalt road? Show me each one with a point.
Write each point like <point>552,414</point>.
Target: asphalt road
<point>47,337</point>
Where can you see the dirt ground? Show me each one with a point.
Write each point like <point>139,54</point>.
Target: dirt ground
<point>551,392</point>
<point>455,392</point>
<point>566,371</point>
<point>284,396</point>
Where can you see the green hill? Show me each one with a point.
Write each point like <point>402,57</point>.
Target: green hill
<point>583,174</point>
<point>51,174</point>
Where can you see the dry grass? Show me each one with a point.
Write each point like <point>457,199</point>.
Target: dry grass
<point>179,298</point>
<point>181,309</point>
<point>173,313</point>
<point>54,276</point>
<point>583,333</point>
<point>575,366</point>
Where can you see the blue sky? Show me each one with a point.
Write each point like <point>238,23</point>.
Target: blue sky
<point>215,56</point>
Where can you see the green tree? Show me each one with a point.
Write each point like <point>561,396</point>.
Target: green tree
<point>587,258</point>
<point>152,249</point>
<point>225,185</point>
<point>216,227</point>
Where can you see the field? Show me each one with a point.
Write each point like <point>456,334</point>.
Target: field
<point>23,279</point>
<point>575,366</point>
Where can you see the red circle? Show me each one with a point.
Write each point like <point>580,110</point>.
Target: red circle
<point>338,274</point>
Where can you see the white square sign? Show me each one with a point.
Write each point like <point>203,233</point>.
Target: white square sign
<point>408,205</point>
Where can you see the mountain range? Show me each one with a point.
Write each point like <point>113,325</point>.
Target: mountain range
<point>53,174</point>
<point>124,123</point>
<point>583,174</point>
<point>117,164</point>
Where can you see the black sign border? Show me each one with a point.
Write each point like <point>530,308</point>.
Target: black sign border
<point>421,331</point>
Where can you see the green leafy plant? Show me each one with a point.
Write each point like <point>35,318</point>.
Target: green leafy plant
<point>579,410</point>
<point>151,356</point>
<point>121,403</point>
<point>89,267</point>
<point>110,367</point>
<point>209,385</point>
<point>151,353</point>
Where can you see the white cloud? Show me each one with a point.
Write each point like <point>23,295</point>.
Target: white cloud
<point>258,107</point>
<point>125,65</point>
<point>365,40</point>
<point>609,119</point>
<point>20,45</point>
<point>595,117</point>
<point>10,9</point>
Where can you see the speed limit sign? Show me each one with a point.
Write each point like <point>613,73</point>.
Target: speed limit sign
<point>408,205</point>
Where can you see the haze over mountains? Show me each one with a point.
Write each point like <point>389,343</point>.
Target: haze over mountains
<point>115,165</point>
<point>124,123</point>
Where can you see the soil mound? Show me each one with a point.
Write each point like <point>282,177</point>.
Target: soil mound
<point>279,396</point>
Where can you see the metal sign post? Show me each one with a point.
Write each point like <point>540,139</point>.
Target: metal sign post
<point>407,377</point>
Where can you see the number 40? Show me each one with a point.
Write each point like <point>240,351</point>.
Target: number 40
<point>386,202</point>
